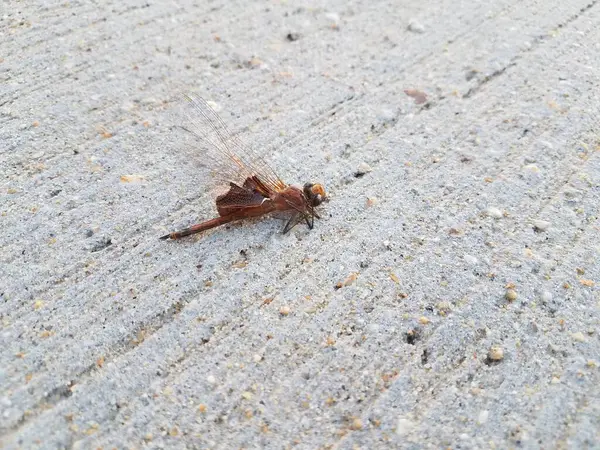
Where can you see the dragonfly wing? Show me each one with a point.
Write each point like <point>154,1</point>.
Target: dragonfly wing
<point>225,152</point>
<point>238,198</point>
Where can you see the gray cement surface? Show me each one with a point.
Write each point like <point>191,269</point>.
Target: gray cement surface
<point>448,298</point>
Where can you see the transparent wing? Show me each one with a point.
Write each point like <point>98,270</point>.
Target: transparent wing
<point>223,152</point>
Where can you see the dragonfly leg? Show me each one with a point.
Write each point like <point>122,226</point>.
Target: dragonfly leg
<point>310,222</point>
<point>291,223</point>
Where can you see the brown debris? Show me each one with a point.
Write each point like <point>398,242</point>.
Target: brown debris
<point>419,96</point>
<point>348,281</point>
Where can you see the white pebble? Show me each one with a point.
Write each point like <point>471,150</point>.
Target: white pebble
<point>532,168</point>
<point>496,353</point>
<point>372,201</point>
<point>541,225</point>
<point>333,17</point>
<point>387,115</point>
<point>211,379</point>
<point>483,416</point>
<point>578,337</point>
<point>363,168</point>
<point>494,212</point>
<point>404,426</point>
<point>415,26</point>
<point>547,296</point>
<point>149,101</point>
<point>470,259</point>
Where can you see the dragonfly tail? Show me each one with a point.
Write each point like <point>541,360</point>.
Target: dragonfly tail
<point>199,227</point>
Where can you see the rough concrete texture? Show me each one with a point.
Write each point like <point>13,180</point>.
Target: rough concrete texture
<point>448,297</point>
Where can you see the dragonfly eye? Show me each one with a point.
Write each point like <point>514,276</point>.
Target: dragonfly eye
<point>315,193</point>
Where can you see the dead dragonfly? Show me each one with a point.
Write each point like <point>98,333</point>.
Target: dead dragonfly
<point>254,188</point>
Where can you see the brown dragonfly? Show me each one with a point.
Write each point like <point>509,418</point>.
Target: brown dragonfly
<point>254,188</point>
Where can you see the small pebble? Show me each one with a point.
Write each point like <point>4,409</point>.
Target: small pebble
<point>578,337</point>
<point>532,168</point>
<point>496,353</point>
<point>424,320</point>
<point>149,101</point>
<point>404,426</point>
<point>211,379</point>
<point>415,26</point>
<point>357,424</point>
<point>372,201</point>
<point>540,225</point>
<point>494,212</point>
<point>443,308</point>
<point>284,310</point>
<point>334,18</point>
<point>387,116</point>
<point>546,296</point>
<point>470,259</point>
<point>483,417</point>
<point>257,358</point>
<point>511,295</point>
<point>363,168</point>
<point>419,97</point>
<point>293,37</point>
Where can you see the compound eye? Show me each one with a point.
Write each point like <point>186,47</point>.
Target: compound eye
<point>315,193</point>
<point>318,189</point>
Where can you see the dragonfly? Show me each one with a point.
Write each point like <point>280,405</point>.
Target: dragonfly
<point>254,189</point>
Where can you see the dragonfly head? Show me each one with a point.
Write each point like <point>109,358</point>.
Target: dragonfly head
<point>314,193</point>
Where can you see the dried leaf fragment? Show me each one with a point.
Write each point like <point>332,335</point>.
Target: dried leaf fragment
<point>348,281</point>
<point>131,178</point>
<point>267,301</point>
<point>104,132</point>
